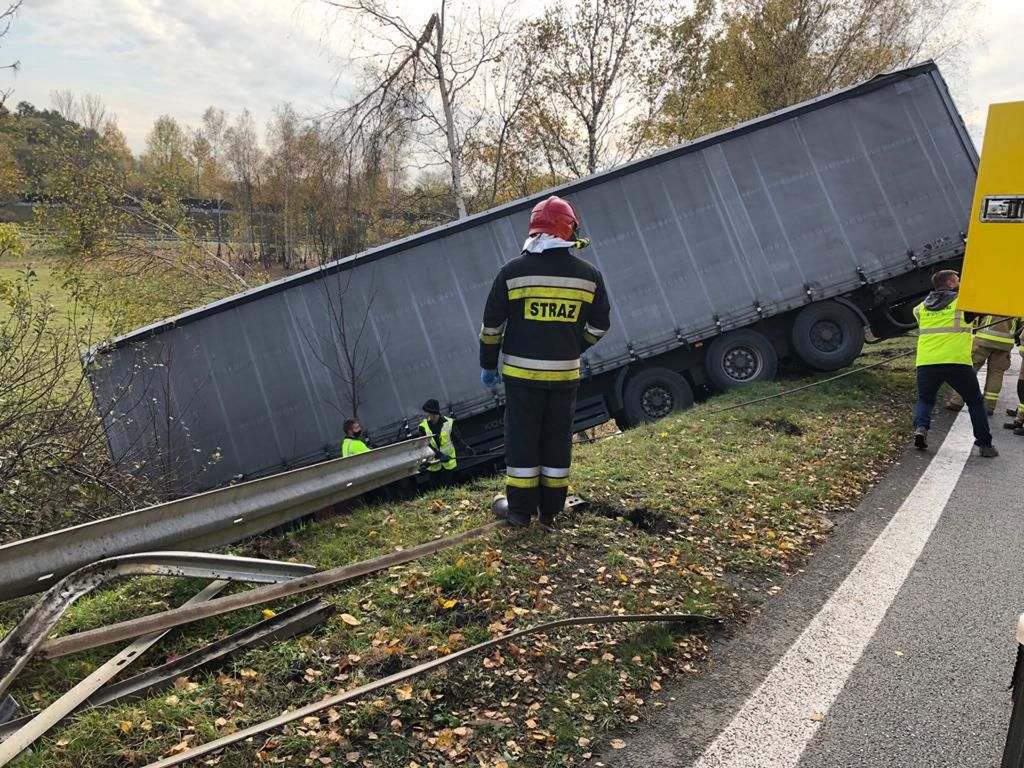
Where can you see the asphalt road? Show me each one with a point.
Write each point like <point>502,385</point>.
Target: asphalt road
<point>894,646</point>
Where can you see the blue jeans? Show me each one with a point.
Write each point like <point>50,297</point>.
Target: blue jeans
<point>962,379</point>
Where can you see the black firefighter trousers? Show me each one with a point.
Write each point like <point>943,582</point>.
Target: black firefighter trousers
<point>538,449</point>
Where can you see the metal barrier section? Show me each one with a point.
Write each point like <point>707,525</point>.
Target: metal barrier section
<point>206,520</point>
<point>20,643</point>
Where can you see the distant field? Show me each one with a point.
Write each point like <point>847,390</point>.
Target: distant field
<point>46,279</point>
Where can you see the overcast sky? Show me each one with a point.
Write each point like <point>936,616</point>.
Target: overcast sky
<point>145,58</point>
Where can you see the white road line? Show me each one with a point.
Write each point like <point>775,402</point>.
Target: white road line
<point>774,726</point>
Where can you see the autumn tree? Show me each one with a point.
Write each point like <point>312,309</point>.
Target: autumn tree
<point>589,56</point>
<point>198,152</point>
<point>6,19</point>
<point>775,53</point>
<point>424,77</point>
<point>506,158</point>
<point>165,160</point>
<point>243,158</point>
<point>286,165</point>
<point>679,80</point>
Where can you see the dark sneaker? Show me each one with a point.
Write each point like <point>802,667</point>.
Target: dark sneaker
<point>921,438</point>
<point>989,451</point>
<point>1012,424</point>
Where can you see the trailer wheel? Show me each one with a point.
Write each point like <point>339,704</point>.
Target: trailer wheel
<point>827,336</point>
<point>740,357</point>
<point>654,393</point>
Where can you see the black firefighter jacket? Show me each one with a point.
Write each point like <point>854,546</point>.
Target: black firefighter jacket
<point>544,310</point>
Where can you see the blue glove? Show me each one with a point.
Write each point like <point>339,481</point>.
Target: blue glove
<point>490,378</point>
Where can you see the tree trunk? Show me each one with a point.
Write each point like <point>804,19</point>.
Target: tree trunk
<point>454,150</point>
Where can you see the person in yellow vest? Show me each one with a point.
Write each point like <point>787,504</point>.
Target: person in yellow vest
<point>993,342</point>
<point>354,441</point>
<point>441,430</point>
<point>944,357</point>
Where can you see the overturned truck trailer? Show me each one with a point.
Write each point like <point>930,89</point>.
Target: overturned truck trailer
<point>781,238</point>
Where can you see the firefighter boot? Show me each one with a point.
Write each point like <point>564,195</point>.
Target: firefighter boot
<point>500,509</point>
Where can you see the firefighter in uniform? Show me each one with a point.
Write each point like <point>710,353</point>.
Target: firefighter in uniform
<point>353,443</point>
<point>993,342</point>
<point>441,430</point>
<point>545,308</point>
<point>1017,425</point>
<point>944,356</point>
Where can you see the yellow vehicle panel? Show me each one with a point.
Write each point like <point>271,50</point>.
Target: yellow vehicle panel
<point>994,258</point>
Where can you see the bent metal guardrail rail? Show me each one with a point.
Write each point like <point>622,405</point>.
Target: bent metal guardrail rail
<point>20,643</point>
<point>206,520</point>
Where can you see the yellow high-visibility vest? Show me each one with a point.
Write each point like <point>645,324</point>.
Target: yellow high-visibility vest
<point>351,446</point>
<point>442,442</point>
<point>943,336</point>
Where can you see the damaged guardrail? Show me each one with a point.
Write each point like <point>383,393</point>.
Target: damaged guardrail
<point>293,621</point>
<point>18,645</point>
<point>28,729</point>
<point>206,520</point>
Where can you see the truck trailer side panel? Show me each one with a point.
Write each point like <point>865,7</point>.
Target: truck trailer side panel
<point>805,204</point>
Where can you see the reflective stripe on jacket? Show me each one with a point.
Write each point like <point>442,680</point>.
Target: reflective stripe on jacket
<point>996,331</point>
<point>442,442</point>
<point>943,336</point>
<point>543,311</point>
<point>351,446</point>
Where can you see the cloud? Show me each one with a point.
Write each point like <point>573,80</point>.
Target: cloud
<point>150,57</point>
<point>178,57</point>
<point>994,67</point>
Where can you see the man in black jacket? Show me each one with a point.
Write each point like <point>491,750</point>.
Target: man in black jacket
<point>545,308</point>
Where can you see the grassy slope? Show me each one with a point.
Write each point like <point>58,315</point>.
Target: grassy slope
<point>46,279</point>
<point>725,503</point>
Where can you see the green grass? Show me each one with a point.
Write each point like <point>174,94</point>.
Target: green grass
<point>699,513</point>
<point>45,280</point>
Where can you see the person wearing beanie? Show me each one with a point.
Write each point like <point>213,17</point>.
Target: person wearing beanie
<point>441,430</point>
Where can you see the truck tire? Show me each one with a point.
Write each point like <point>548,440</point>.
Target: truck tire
<point>653,393</point>
<point>827,336</point>
<point>740,357</point>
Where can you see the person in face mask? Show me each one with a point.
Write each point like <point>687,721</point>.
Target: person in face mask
<point>354,441</point>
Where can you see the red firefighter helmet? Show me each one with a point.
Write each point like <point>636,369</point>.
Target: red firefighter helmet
<point>554,216</point>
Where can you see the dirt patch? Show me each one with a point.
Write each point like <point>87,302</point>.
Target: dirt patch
<point>780,425</point>
<point>642,518</point>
